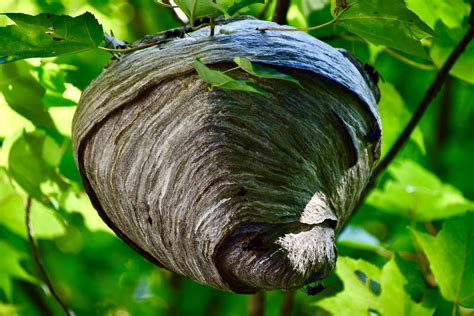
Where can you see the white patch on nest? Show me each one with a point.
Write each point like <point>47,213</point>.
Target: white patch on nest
<point>305,253</point>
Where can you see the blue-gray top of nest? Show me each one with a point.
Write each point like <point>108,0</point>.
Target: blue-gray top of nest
<point>236,190</point>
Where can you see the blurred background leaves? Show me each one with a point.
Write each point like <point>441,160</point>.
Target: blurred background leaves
<point>386,250</point>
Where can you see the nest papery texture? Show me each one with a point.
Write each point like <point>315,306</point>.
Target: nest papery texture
<point>236,190</point>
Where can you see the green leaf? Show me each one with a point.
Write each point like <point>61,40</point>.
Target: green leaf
<point>451,257</point>
<point>52,77</point>
<point>78,202</point>
<point>47,35</point>
<point>356,298</point>
<point>10,268</point>
<point>241,85</point>
<point>212,77</point>
<point>32,161</point>
<point>216,78</point>
<point>452,13</point>
<point>263,72</point>
<point>12,215</point>
<point>418,194</point>
<point>239,5</point>
<point>196,9</point>
<point>8,310</point>
<point>387,23</point>
<point>395,116</point>
<point>23,93</point>
<point>395,300</point>
<point>367,289</point>
<point>444,43</point>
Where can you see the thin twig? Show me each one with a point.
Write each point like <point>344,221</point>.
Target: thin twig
<point>297,29</point>
<point>37,259</point>
<point>127,50</point>
<point>311,28</point>
<point>257,304</point>
<point>287,303</point>
<point>355,38</point>
<point>455,308</point>
<point>281,11</point>
<point>431,92</point>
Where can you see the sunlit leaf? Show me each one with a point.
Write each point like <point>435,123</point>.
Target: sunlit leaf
<point>357,297</point>
<point>47,35</point>
<point>79,202</point>
<point>387,23</point>
<point>395,300</point>
<point>418,194</point>
<point>52,77</point>
<point>8,310</point>
<point>395,116</point>
<point>263,72</point>
<point>451,257</point>
<point>368,289</point>
<point>12,215</point>
<point>451,13</point>
<point>10,268</point>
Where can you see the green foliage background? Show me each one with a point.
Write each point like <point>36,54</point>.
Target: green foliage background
<point>390,261</point>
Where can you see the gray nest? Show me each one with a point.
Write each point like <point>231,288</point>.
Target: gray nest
<point>235,190</point>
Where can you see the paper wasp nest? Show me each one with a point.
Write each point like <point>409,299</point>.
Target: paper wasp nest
<point>235,190</point>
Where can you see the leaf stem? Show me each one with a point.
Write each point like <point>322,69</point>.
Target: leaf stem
<point>37,259</point>
<point>231,69</point>
<point>455,308</point>
<point>304,29</point>
<point>433,89</point>
<point>257,304</point>
<point>407,60</point>
<point>311,28</point>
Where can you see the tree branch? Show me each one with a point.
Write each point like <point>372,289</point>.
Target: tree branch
<point>37,259</point>
<point>431,92</point>
<point>287,303</point>
<point>257,304</point>
<point>281,11</point>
